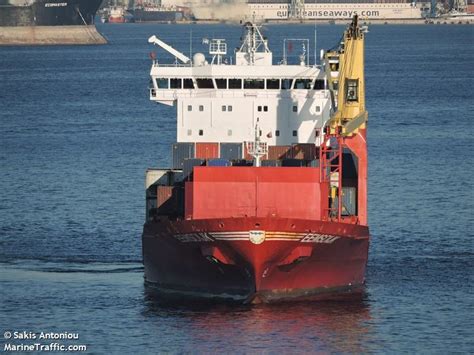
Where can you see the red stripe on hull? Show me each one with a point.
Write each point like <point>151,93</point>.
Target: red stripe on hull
<point>215,258</point>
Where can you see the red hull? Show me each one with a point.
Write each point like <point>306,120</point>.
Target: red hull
<point>216,258</point>
<point>119,19</point>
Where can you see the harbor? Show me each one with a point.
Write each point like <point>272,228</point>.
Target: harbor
<point>79,131</point>
<point>290,11</point>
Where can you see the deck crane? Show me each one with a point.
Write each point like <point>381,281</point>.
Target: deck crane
<point>344,67</point>
<point>177,54</point>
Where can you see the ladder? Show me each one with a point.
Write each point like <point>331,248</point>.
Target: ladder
<point>330,155</point>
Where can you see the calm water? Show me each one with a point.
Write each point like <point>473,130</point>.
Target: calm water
<point>77,132</point>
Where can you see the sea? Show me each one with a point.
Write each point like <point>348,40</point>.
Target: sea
<point>77,132</point>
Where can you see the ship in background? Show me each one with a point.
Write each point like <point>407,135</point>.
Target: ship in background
<point>142,11</point>
<point>276,10</point>
<point>48,12</point>
<point>154,11</point>
<point>457,11</point>
<point>266,198</point>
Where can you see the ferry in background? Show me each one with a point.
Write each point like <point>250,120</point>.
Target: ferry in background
<point>48,12</point>
<point>276,10</point>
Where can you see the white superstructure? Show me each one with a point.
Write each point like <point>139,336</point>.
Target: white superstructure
<point>221,99</point>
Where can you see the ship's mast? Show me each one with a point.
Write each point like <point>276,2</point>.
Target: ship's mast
<point>253,42</point>
<point>296,10</point>
<point>460,5</point>
<point>257,149</point>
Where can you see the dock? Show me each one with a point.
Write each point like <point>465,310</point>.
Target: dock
<point>50,35</point>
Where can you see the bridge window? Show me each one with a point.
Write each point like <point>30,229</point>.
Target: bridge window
<point>303,84</point>
<point>286,84</point>
<point>254,84</point>
<point>235,83</point>
<point>273,84</point>
<point>319,84</point>
<point>221,83</point>
<point>188,84</point>
<point>352,90</point>
<point>175,83</point>
<point>205,84</point>
<point>162,83</point>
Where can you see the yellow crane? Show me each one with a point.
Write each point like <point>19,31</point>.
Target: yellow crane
<point>345,73</point>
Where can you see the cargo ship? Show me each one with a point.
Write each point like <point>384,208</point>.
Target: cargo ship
<point>48,12</point>
<point>152,11</point>
<point>118,14</point>
<point>310,10</point>
<point>266,197</point>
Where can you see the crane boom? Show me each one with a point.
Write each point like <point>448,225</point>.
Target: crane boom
<point>345,67</point>
<point>155,40</point>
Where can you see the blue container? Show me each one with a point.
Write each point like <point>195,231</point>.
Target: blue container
<point>271,163</point>
<point>293,162</point>
<point>242,162</point>
<point>218,162</point>
<point>188,166</point>
<point>231,151</point>
<point>349,201</point>
<point>180,152</point>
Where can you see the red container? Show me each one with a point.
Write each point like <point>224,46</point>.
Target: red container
<point>304,151</point>
<point>247,156</point>
<point>207,150</point>
<point>279,152</point>
<point>188,200</point>
<point>223,192</point>
<point>167,200</point>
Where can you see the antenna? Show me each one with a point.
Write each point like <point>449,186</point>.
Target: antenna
<point>191,43</point>
<point>257,149</point>
<point>315,41</point>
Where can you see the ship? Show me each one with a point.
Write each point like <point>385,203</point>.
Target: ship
<point>462,11</point>
<point>118,14</point>
<point>48,12</point>
<point>306,10</point>
<point>152,11</point>
<point>266,196</point>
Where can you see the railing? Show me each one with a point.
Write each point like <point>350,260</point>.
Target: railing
<point>173,94</point>
<point>182,65</point>
<point>177,65</point>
